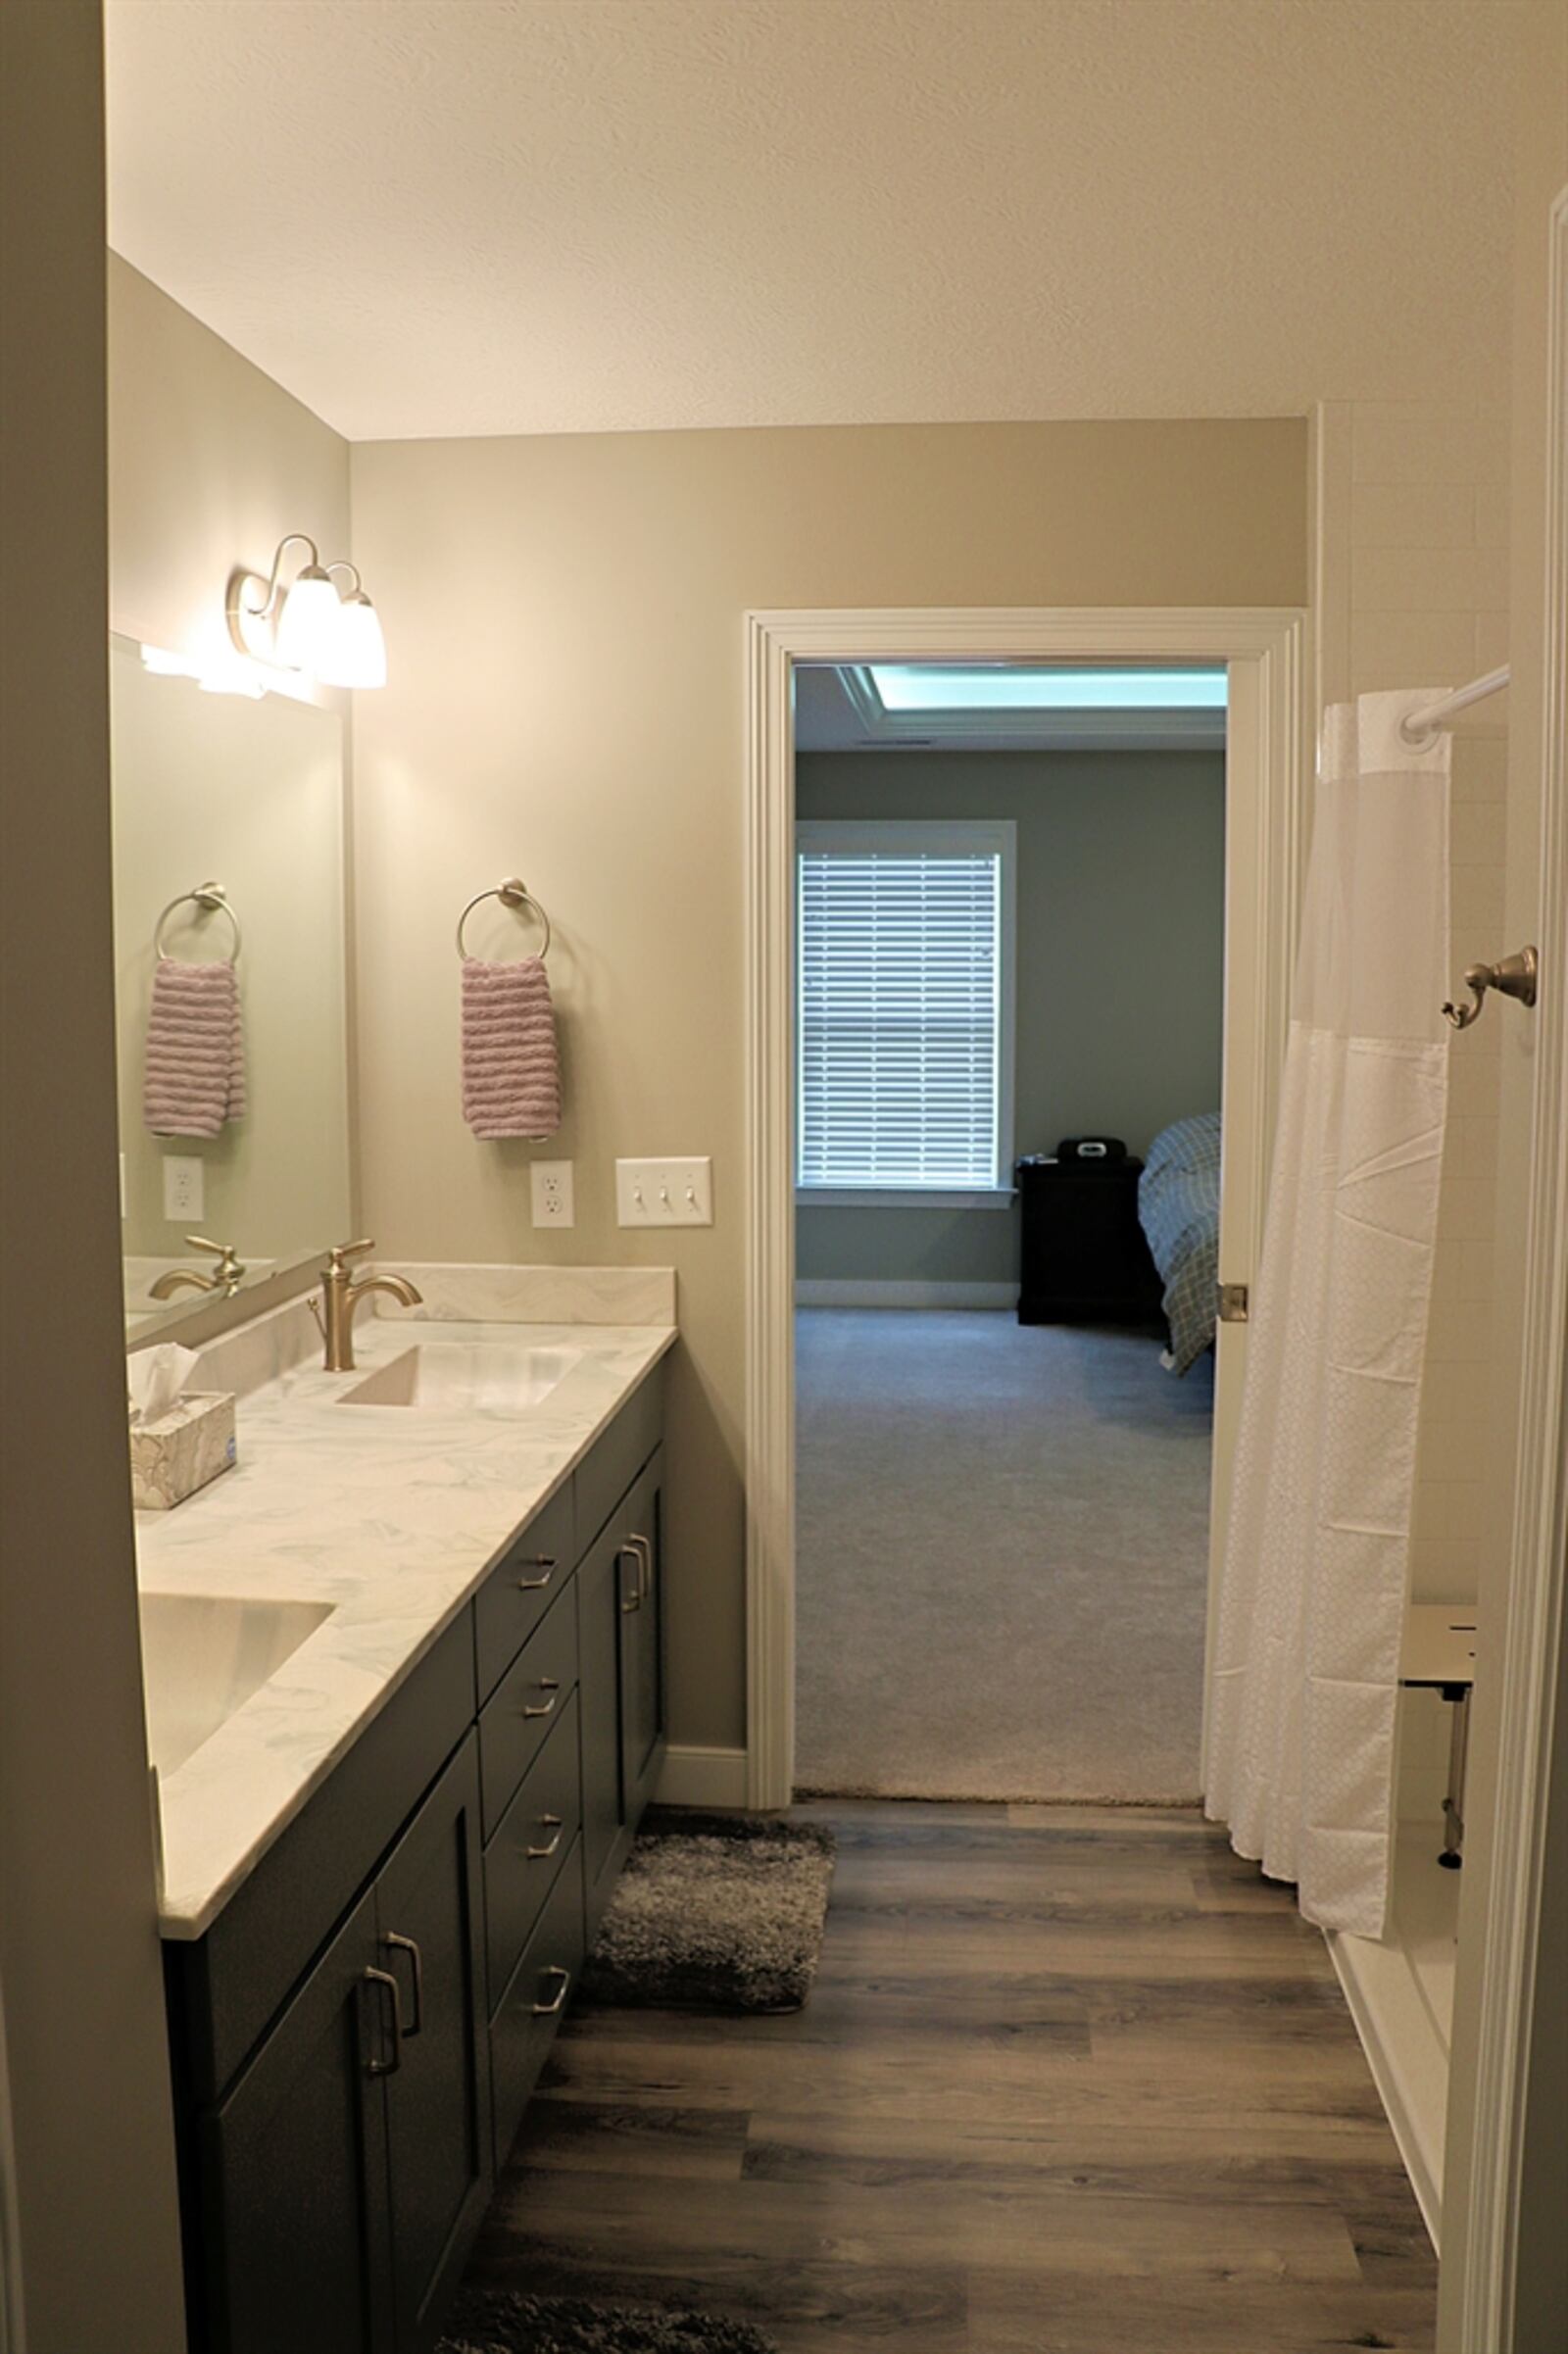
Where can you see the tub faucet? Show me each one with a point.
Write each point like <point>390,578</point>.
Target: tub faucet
<point>341,1294</point>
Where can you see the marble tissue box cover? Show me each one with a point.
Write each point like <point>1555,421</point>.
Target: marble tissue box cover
<point>184,1449</point>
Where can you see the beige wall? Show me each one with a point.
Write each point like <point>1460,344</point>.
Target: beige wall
<point>210,463</point>
<point>564,623</point>
<point>1542,171</point>
<point>80,1972</point>
<point>1120,960</point>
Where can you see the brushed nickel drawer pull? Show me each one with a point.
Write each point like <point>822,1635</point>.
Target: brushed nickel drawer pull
<point>537,1855</point>
<point>642,1546</point>
<point>549,1564</point>
<point>626,1552</point>
<point>550,1684</point>
<point>374,2067</point>
<point>395,1944</point>
<point>548,2010</point>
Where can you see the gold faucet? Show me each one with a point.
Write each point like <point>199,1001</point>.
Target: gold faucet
<point>341,1294</point>
<point>227,1278</point>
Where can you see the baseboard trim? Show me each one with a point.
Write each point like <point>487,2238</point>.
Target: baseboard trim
<point>698,1777</point>
<point>1401,2045</point>
<point>813,1291</point>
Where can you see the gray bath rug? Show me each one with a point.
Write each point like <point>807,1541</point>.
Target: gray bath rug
<point>498,2321</point>
<point>716,1912</point>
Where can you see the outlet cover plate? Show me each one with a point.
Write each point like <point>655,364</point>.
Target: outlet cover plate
<point>553,1203</point>
<point>665,1193</point>
<point>185,1191</point>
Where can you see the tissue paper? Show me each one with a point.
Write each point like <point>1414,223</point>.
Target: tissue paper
<point>156,1377</point>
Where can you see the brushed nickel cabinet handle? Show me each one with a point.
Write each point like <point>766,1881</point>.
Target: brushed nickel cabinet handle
<point>374,2066</point>
<point>548,2010</point>
<point>643,1548</point>
<point>623,1552</point>
<point>550,1684</point>
<point>395,1944</point>
<point>549,1565</point>
<point>537,1855</point>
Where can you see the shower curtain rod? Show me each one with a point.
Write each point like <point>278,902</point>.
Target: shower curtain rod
<point>1418,727</point>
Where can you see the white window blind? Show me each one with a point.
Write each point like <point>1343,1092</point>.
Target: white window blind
<point>905,939</point>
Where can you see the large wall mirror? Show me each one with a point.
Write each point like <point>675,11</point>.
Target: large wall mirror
<point>233,1066</point>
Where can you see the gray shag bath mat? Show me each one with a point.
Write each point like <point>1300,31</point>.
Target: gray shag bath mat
<point>716,1912</point>
<point>498,2321</point>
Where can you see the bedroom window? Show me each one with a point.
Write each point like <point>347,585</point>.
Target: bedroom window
<point>906,988</point>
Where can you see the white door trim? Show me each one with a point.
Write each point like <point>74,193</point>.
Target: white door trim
<point>1511,1909</point>
<point>1268,755</point>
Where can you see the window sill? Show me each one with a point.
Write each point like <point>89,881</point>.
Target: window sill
<point>903,1197</point>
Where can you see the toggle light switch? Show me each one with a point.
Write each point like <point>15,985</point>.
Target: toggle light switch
<point>665,1193</point>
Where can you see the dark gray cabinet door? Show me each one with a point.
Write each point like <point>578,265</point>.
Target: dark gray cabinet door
<point>430,1931</point>
<point>642,1643</point>
<point>295,2167</point>
<point>603,1575</point>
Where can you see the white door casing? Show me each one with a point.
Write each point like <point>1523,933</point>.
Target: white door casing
<point>1268,755</point>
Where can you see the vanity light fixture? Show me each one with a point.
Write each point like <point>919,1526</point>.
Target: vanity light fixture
<point>332,636</point>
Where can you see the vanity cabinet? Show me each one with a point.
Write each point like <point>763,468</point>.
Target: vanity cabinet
<point>341,2171</point>
<point>620,1599</point>
<point>356,2038</point>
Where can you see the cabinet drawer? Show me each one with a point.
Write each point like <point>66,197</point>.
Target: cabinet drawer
<point>617,1457</point>
<point>537,1829</point>
<point>521,1588</point>
<point>539,1991</point>
<point>526,1705</point>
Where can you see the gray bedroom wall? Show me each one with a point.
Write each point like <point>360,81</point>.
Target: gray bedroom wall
<point>1121,893</point>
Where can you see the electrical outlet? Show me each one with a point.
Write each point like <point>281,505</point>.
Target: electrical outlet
<point>552,1192</point>
<point>665,1193</point>
<point>183,1190</point>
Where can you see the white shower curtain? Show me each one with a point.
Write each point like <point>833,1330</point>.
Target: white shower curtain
<point>1312,1596</point>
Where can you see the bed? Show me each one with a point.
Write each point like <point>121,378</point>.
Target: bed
<point>1178,1205</point>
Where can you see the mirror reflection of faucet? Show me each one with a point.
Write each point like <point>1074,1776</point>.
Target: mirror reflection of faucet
<point>226,1277</point>
<point>341,1294</point>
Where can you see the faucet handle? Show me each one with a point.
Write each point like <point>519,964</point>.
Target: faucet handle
<point>341,1253</point>
<point>229,1268</point>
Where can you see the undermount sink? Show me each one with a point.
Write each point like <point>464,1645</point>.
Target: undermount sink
<point>452,1375</point>
<point>203,1655</point>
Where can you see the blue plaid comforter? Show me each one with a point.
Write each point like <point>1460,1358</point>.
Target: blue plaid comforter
<point>1178,1202</point>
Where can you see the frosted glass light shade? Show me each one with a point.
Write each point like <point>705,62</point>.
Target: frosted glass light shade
<point>306,626</point>
<point>356,654</point>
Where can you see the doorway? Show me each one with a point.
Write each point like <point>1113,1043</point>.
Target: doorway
<point>1261,654</point>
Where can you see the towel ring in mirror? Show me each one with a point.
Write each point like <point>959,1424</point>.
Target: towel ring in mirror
<point>511,893</point>
<point>210,895</point>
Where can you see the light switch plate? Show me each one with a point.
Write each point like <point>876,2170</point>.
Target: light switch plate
<point>184,1197</point>
<point>552,1204</point>
<point>665,1193</point>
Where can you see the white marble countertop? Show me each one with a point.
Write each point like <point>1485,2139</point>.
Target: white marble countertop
<point>390,1514</point>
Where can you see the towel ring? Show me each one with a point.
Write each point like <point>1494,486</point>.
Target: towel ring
<point>211,895</point>
<point>511,893</point>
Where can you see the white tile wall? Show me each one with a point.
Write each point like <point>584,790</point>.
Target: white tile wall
<point>1411,590</point>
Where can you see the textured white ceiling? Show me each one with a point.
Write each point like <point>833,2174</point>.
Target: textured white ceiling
<point>458,217</point>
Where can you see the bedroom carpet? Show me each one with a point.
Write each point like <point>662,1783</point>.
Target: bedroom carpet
<point>1003,1539</point>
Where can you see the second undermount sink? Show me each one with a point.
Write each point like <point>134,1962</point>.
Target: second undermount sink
<point>203,1655</point>
<point>497,1378</point>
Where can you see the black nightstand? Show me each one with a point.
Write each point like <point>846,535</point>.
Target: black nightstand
<point>1085,1256</point>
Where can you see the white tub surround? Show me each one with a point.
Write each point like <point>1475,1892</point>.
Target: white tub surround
<point>388,1515</point>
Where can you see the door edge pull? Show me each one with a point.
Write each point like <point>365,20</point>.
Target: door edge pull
<point>385,1977</point>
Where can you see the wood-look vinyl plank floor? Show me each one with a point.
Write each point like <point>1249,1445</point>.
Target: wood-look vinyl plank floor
<point>1072,2080</point>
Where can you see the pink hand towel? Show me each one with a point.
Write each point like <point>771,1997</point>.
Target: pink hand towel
<point>511,1062</point>
<point>195,1077</point>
